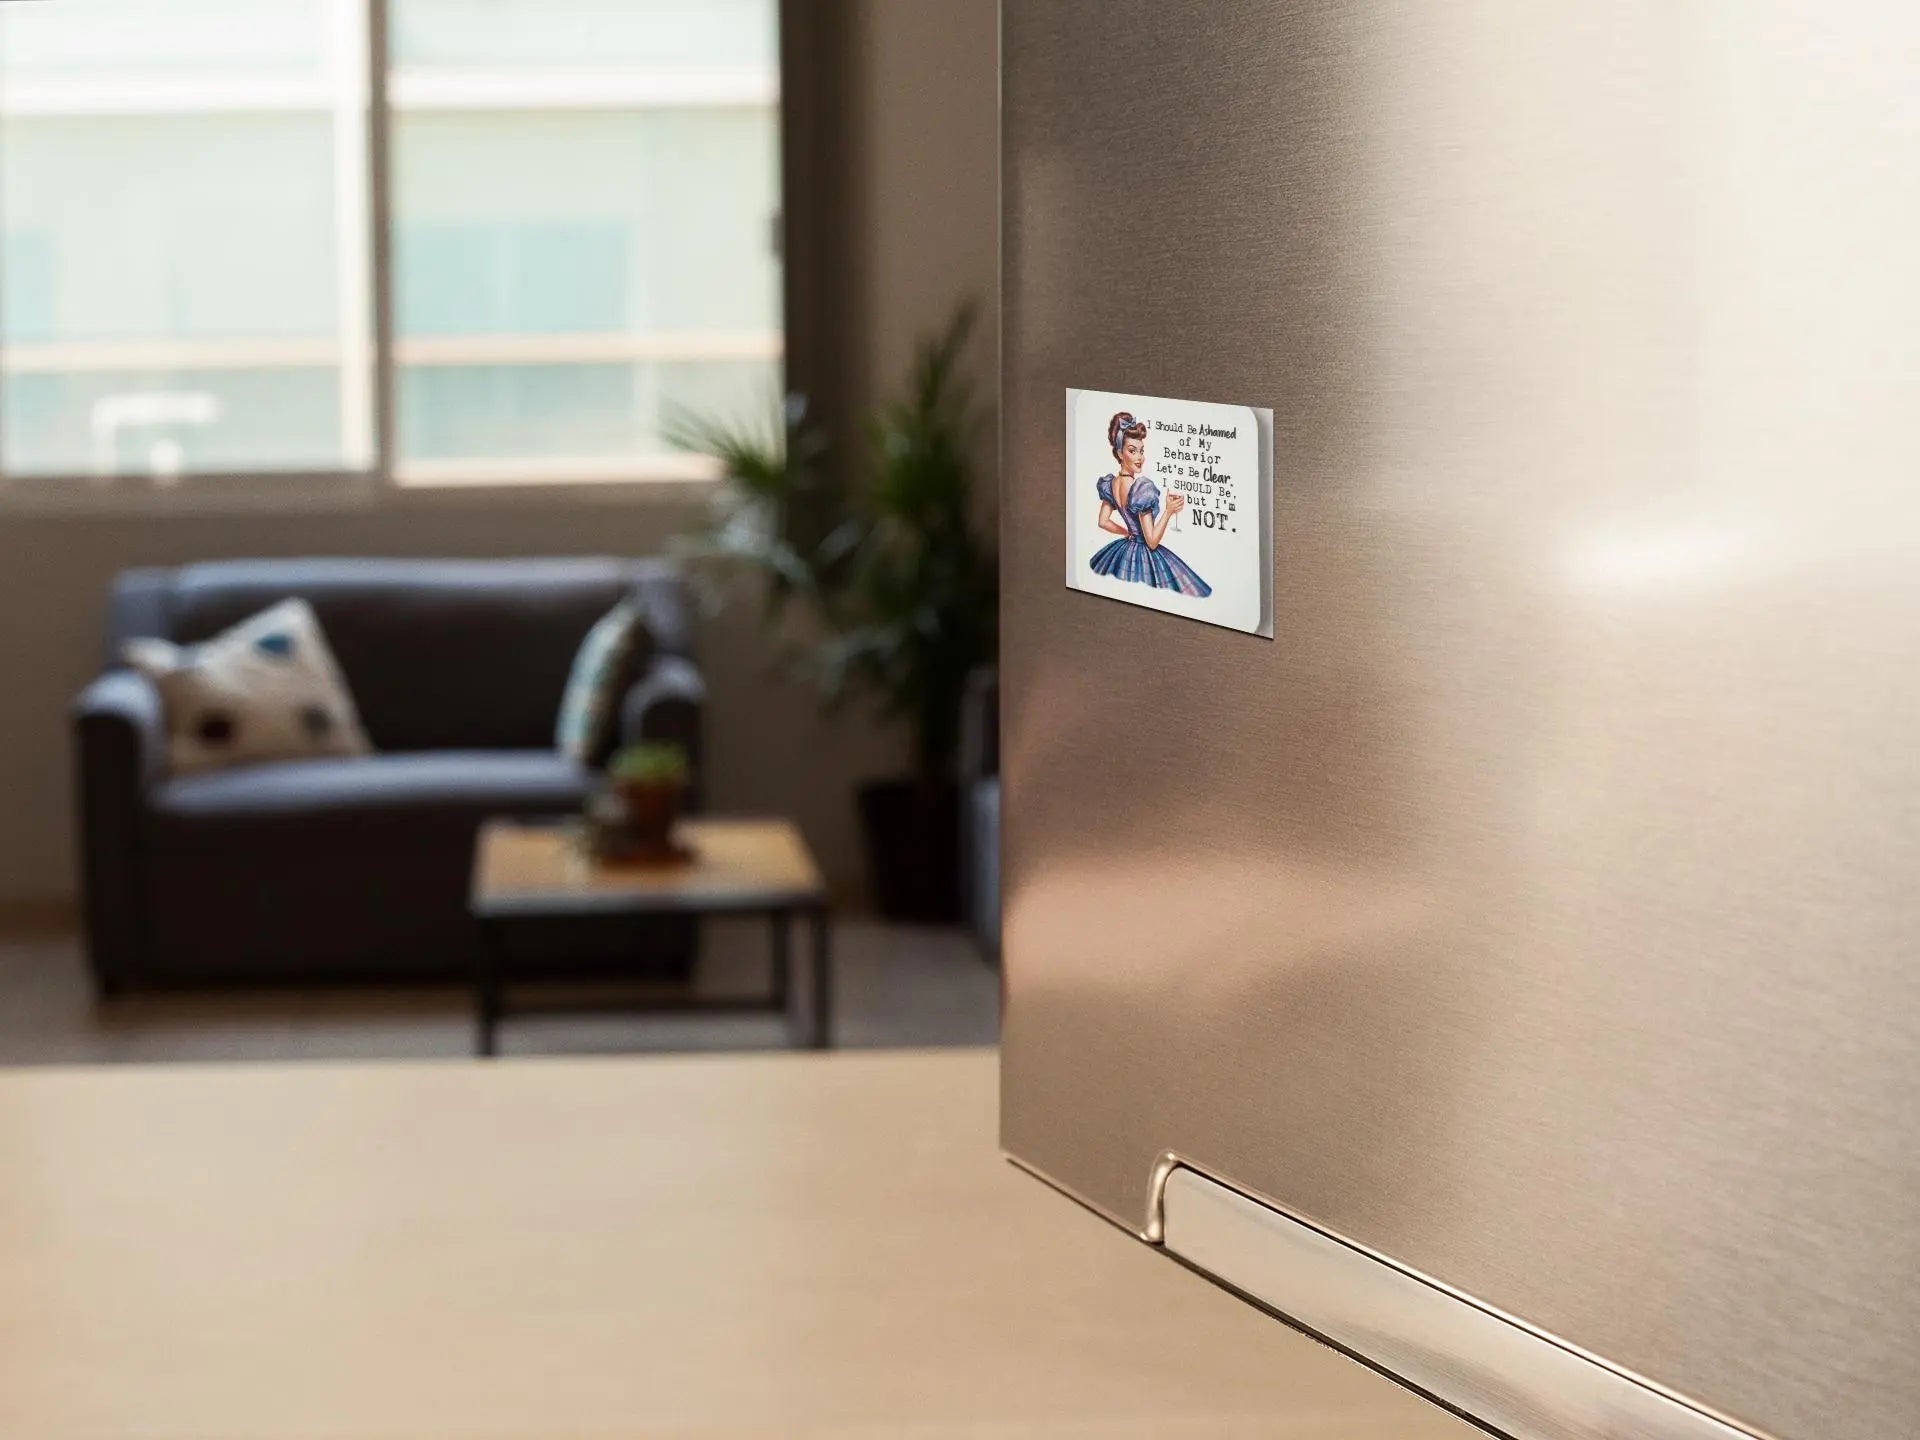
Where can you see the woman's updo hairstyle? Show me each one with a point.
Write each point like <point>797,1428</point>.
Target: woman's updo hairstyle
<point>1122,428</point>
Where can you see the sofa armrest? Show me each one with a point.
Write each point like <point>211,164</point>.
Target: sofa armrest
<point>122,726</point>
<point>119,752</point>
<point>665,707</point>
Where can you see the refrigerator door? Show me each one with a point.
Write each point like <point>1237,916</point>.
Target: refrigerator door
<point>1536,910</point>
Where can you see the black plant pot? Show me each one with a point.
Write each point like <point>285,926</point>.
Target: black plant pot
<point>913,847</point>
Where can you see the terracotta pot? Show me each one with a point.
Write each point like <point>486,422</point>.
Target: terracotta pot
<point>653,809</point>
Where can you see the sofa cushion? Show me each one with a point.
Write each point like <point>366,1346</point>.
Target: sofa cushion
<point>368,801</point>
<point>357,870</point>
<point>268,689</point>
<point>439,654</point>
<point>612,658</point>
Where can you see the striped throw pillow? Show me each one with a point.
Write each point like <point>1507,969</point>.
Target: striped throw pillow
<point>609,660</point>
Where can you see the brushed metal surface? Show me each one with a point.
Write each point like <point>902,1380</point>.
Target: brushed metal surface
<point>1447,1346</point>
<point>1538,906</point>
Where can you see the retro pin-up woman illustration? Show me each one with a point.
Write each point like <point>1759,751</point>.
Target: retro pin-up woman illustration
<point>1130,508</point>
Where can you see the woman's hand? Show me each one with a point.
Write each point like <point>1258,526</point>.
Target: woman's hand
<point>1176,503</point>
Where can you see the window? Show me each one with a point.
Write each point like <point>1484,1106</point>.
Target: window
<point>578,199</point>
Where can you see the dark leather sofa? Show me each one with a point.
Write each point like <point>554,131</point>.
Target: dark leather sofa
<point>358,868</point>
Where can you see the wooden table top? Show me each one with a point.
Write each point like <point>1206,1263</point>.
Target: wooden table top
<point>730,1247</point>
<point>523,867</point>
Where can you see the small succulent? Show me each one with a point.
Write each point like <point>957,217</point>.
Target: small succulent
<point>649,765</point>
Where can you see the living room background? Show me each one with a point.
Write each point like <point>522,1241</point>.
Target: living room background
<point>919,81</point>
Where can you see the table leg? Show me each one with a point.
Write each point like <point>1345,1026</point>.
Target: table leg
<point>822,980</point>
<point>487,991</point>
<point>782,923</point>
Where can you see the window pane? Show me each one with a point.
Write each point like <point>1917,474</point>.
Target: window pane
<point>584,205</point>
<point>567,412</point>
<point>572,35</point>
<point>183,225</point>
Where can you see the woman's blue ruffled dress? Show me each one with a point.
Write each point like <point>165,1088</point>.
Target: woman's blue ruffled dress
<point>1132,558</point>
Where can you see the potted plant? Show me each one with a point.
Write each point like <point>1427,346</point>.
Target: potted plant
<point>897,578</point>
<point>651,782</point>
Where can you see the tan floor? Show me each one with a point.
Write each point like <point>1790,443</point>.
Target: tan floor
<point>897,986</point>
<point>739,1247</point>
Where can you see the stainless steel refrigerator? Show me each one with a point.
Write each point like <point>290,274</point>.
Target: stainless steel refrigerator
<point>1510,970</point>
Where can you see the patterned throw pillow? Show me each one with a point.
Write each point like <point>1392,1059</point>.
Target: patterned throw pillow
<point>608,662</point>
<point>268,689</point>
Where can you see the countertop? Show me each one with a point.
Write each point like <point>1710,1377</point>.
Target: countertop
<point>728,1246</point>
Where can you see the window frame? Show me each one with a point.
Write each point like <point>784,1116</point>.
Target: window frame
<point>386,478</point>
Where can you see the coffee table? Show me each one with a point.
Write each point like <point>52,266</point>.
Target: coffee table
<point>530,874</point>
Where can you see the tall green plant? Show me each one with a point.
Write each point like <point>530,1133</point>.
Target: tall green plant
<point>891,565</point>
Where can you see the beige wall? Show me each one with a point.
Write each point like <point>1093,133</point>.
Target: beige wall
<point>924,169</point>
